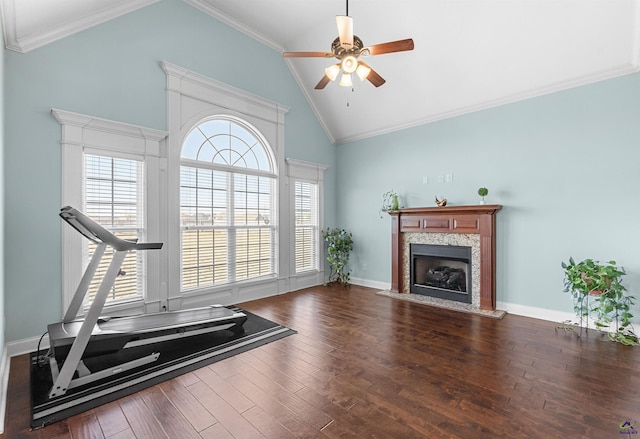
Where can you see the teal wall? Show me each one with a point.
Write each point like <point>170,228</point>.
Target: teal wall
<point>2,177</point>
<point>113,71</point>
<point>566,167</point>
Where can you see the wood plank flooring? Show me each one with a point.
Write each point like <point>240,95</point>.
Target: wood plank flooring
<point>367,366</point>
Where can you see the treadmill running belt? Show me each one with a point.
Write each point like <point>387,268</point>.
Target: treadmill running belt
<point>160,320</point>
<point>176,358</point>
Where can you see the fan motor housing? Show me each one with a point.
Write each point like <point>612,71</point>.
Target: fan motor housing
<point>340,51</point>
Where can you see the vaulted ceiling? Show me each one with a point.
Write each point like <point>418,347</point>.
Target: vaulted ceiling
<point>469,54</point>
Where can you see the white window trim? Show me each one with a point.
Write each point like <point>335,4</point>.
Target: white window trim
<point>312,173</point>
<point>192,98</point>
<point>82,133</point>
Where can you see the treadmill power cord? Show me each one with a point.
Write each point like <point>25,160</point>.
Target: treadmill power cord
<point>41,360</point>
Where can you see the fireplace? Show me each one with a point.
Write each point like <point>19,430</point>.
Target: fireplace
<point>442,271</point>
<point>465,226</point>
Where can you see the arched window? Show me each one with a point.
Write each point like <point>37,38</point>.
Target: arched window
<point>227,204</point>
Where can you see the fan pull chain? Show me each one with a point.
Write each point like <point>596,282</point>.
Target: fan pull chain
<point>352,91</point>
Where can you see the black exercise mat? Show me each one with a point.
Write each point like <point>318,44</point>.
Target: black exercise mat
<point>176,358</point>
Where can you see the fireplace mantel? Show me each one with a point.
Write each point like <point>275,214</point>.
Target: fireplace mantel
<point>478,220</point>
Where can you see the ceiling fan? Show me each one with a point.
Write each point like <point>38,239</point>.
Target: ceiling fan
<point>347,48</point>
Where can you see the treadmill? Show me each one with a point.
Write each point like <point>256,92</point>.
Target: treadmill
<point>75,344</point>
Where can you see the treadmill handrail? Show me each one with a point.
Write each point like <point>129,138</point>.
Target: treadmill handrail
<point>96,233</point>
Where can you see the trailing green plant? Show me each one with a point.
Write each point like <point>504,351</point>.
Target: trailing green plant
<point>339,246</point>
<point>390,202</point>
<point>598,293</point>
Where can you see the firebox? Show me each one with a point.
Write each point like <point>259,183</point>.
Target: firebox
<point>442,271</point>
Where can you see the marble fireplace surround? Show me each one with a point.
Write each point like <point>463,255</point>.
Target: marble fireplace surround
<point>469,226</point>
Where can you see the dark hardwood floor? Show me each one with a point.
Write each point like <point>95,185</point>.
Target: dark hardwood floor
<point>367,366</point>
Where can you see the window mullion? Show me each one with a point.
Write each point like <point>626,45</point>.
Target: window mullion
<point>232,234</point>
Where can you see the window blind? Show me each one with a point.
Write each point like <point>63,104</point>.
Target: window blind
<point>113,197</point>
<point>306,226</point>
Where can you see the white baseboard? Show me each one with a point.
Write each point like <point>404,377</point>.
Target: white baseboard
<point>26,345</point>
<point>512,308</point>
<point>13,349</point>
<point>4,384</point>
<point>535,312</point>
<point>370,283</point>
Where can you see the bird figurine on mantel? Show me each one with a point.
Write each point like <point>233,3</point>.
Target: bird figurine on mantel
<point>441,203</point>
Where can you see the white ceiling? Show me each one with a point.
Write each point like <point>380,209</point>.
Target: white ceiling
<point>469,54</point>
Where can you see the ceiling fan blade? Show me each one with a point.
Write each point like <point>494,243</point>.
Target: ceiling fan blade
<point>307,54</point>
<point>323,83</point>
<point>345,31</point>
<point>392,46</point>
<point>373,76</point>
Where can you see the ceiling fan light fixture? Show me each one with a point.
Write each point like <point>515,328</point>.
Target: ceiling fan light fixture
<point>332,71</point>
<point>362,72</point>
<point>345,31</point>
<point>347,48</point>
<point>345,80</point>
<point>349,64</point>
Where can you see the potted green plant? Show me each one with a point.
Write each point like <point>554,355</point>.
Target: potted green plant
<point>390,202</point>
<point>483,191</point>
<point>339,246</point>
<point>598,292</point>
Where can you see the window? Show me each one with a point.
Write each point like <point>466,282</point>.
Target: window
<point>306,183</point>
<point>306,226</point>
<point>227,205</point>
<point>111,170</point>
<point>113,197</point>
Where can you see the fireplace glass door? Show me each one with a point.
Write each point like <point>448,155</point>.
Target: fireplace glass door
<point>442,271</point>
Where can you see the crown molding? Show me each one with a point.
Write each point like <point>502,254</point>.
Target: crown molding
<point>24,44</point>
<point>205,7</point>
<point>541,91</point>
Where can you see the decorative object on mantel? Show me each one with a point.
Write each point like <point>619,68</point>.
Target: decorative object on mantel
<point>340,244</point>
<point>483,191</point>
<point>390,202</point>
<point>598,293</point>
<point>441,203</point>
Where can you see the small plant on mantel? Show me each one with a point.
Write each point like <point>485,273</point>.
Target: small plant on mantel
<point>390,202</point>
<point>339,246</point>
<point>483,192</point>
<point>598,292</point>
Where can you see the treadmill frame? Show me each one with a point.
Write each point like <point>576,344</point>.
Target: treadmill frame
<point>63,378</point>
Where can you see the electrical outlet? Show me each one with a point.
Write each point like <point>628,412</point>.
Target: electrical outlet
<point>425,179</point>
<point>440,178</point>
<point>448,178</point>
